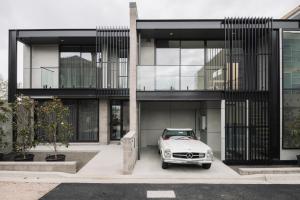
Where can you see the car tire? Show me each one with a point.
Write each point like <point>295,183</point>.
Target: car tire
<point>206,166</point>
<point>164,165</point>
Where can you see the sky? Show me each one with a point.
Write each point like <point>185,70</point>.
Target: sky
<point>19,14</point>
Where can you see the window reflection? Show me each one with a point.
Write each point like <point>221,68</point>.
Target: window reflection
<point>184,65</point>
<point>167,52</point>
<point>192,53</point>
<point>291,90</point>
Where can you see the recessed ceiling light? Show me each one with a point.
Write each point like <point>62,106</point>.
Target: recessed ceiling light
<point>171,34</point>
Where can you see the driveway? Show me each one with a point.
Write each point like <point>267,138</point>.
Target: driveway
<point>150,166</point>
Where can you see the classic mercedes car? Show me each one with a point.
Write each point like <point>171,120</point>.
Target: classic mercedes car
<point>181,146</point>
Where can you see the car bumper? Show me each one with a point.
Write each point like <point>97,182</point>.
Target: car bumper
<point>188,161</point>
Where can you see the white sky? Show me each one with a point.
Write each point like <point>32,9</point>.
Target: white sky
<point>18,14</point>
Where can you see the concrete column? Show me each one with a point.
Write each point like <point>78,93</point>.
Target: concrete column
<point>132,68</point>
<point>223,130</point>
<point>104,118</point>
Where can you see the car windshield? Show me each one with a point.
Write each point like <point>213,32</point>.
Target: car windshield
<point>180,133</point>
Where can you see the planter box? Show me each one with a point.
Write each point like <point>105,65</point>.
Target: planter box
<point>40,166</point>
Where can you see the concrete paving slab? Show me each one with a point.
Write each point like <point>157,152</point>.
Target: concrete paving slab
<point>150,166</point>
<point>108,162</point>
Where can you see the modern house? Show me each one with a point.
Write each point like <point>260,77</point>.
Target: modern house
<point>235,81</point>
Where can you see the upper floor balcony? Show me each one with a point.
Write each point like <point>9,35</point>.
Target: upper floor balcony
<point>181,65</point>
<point>95,61</point>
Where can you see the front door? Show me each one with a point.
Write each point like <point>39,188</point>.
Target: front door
<point>116,121</point>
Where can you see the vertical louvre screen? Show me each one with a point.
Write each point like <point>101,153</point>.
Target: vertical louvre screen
<point>248,45</point>
<point>112,48</point>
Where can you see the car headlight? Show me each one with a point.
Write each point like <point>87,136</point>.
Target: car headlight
<point>210,154</point>
<point>167,153</point>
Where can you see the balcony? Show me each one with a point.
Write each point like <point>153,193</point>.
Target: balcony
<point>72,77</point>
<point>180,78</point>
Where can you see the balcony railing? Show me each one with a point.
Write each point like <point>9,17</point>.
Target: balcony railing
<point>155,78</point>
<point>48,77</point>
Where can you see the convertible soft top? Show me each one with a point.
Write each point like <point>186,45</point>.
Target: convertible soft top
<point>179,129</point>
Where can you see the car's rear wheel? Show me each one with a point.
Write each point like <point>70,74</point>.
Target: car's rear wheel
<point>206,166</point>
<point>164,165</point>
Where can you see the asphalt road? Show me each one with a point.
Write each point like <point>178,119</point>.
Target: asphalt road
<point>86,191</point>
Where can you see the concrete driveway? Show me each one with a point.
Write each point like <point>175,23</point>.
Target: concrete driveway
<point>150,166</point>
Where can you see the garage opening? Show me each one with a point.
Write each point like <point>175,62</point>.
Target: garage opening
<point>202,116</point>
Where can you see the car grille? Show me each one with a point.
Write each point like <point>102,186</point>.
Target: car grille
<point>188,155</point>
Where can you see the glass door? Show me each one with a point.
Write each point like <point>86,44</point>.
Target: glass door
<point>116,121</point>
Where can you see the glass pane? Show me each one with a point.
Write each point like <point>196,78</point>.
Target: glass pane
<point>49,77</point>
<point>167,77</point>
<point>167,52</point>
<point>72,119</point>
<point>291,119</point>
<point>88,120</point>
<point>70,63</point>
<point>291,58</point>
<point>146,77</point>
<point>88,70</point>
<point>192,52</point>
<point>192,83</point>
<point>116,122</point>
<point>192,70</point>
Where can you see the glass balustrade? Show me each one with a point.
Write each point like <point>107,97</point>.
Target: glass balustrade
<point>76,77</point>
<point>156,78</point>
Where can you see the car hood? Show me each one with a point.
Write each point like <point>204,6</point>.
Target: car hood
<point>185,145</point>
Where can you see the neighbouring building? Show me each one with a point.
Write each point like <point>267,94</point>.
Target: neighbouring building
<point>235,81</point>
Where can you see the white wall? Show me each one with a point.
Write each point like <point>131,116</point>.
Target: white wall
<point>147,52</point>
<point>26,66</point>
<point>214,125</point>
<point>42,56</point>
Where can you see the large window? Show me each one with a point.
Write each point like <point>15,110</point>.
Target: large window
<point>84,119</point>
<point>77,67</point>
<point>291,90</point>
<point>184,65</point>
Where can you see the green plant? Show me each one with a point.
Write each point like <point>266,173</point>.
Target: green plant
<point>294,127</point>
<point>52,121</point>
<point>4,111</point>
<point>23,124</point>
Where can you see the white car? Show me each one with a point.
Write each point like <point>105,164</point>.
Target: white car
<point>181,146</point>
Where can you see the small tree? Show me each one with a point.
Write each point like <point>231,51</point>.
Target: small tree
<point>52,120</point>
<point>23,124</point>
<point>4,110</point>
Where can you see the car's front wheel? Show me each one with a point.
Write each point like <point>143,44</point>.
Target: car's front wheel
<point>164,165</point>
<point>206,166</point>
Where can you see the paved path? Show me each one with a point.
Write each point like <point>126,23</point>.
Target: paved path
<point>108,162</point>
<point>77,191</point>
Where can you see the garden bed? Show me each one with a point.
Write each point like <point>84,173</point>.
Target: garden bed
<point>74,162</point>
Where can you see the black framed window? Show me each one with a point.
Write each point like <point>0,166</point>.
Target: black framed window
<point>77,67</point>
<point>84,117</point>
<point>291,90</point>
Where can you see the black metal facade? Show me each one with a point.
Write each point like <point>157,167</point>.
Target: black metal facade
<point>247,88</point>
